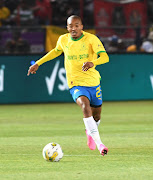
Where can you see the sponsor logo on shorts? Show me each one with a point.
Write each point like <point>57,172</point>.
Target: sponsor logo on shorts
<point>76,91</point>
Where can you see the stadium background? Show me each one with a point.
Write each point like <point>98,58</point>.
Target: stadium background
<point>38,109</point>
<point>128,76</point>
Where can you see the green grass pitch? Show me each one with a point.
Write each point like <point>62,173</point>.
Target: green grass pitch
<point>126,129</point>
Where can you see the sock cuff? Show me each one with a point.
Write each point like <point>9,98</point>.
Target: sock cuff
<point>98,122</point>
<point>85,119</point>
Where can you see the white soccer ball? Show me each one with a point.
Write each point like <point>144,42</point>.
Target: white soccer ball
<point>52,152</point>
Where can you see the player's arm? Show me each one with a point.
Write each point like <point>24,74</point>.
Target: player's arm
<point>99,49</point>
<point>103,58</point>
<point>49,56</point>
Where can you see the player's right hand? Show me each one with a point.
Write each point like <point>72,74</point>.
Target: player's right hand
<point>33,69</point>
<point>87,65</point>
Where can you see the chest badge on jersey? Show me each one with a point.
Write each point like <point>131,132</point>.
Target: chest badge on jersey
<point>83,47</point>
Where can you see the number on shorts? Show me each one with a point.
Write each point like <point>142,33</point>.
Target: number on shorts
<point>98,92</point>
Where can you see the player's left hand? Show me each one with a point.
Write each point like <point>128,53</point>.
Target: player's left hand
<point>87,65</point>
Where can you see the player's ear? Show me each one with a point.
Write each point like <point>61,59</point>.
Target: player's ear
<point>67,28</point>
<point>82,27</point>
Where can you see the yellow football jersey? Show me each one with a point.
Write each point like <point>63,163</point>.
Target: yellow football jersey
<point>76,52</point>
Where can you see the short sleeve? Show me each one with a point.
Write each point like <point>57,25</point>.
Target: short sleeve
<point>97,45</point>
<point>58,44</point>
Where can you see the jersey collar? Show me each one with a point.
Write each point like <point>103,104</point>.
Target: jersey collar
<point>78,38</point>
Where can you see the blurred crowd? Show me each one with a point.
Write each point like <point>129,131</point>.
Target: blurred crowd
<point>144,44</point>
<point>35,13</point>
<point>22,15</point>
<point>42,12</point>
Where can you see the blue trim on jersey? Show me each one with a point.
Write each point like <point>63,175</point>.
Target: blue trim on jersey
<point>93,93</point>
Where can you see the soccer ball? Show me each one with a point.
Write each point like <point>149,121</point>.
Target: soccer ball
<point>52,152</point>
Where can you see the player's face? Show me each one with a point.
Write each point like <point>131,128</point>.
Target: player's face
<point>74,26</point>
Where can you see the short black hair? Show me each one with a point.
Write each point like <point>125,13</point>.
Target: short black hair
<point>74,17</point>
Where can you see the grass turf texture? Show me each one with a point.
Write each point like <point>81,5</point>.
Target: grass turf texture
<point>126,129</point>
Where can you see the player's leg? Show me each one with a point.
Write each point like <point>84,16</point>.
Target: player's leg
<point>84,103</point>
<point>83,98</point>
<point>96,107</point>
<point>90,123</point>
<point>96,113</point>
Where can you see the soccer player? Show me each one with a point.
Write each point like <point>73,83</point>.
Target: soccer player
<point>83,52</point>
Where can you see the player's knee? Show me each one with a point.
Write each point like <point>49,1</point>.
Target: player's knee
<point>84,106</point>
<point>97,117</point>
